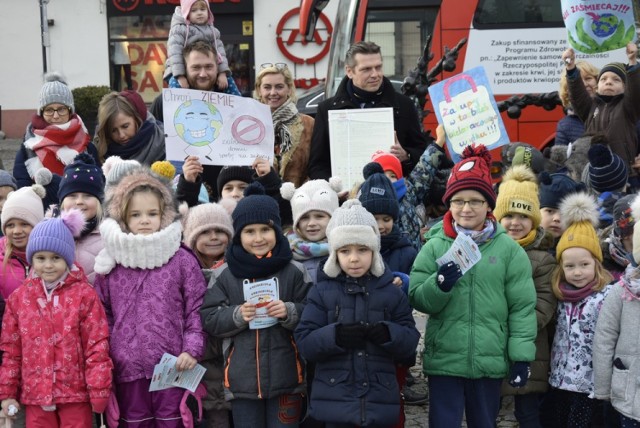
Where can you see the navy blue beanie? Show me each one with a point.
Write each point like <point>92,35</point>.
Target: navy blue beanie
<point>256,208</point>
<point>555,187</point>
<point>607,171</point>
<point>83,175</point>
<point>377,194</point>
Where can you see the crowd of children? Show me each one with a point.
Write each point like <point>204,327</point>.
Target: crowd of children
<point>298,298</point>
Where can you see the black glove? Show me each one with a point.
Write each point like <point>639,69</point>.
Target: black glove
<point>519,374</point>
<point>378,334</point>
<point>351,336</point>
<point>448,275</point>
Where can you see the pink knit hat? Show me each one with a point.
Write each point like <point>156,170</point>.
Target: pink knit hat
<point>196,220</point>
<point>24,204</point>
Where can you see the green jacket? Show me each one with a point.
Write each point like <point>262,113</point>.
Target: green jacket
<point>487,320</point>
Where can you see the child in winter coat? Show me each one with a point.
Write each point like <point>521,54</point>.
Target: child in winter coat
<point>616,240</point>
<point>356,310</point>
<point>208,230</point>
<point>193,21</point>
<point>22,211</point>
<point>7,185</point>
<point>82,187</point>
<point>615,345</point>
<point>312,205</point>
<point>518,211</point>
<point>264,375</point>
<point>55,335</point>
<point>553,189</point>
<point>152,289</point>
<point>580,284</point>
<point>482,325</point>
<point>615,108</point>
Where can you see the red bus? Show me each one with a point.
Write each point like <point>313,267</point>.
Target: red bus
<point>519,44</point>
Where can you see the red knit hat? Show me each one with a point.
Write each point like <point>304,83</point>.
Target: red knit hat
<point>136,102</point>
<point>388,162</point>
<point>473,172</point>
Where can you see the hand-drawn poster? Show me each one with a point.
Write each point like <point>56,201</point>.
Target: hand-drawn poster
<point>595,26</point>
<point>219,129</point>
<point>465,106</point>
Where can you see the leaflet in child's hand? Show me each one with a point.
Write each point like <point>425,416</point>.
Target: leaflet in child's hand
<point>463,251</point>
<point>165,375</point>
<point>261,293</point>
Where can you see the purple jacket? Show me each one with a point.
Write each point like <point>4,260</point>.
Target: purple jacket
<point>153,311</point>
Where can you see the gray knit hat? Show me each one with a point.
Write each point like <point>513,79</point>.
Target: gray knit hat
<point>6,179</point>
<point>55,90</point>
<point>352,224</point>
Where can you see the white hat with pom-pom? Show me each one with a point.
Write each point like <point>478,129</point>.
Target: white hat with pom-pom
<point>314,195</point>
<point>24,204</point>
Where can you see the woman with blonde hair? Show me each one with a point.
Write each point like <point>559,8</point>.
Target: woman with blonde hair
<point>275,88</point>
<point>570,127</point>
<point>128,130</point>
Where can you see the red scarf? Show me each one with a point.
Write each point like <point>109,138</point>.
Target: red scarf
<point>57,145</point>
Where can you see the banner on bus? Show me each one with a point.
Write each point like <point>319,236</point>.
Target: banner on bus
<point>465,106</point>
<point>598,26</point>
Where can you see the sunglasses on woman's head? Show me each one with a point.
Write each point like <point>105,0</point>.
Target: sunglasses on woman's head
<point>278,65</point>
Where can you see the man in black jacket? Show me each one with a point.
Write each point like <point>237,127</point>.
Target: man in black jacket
<point>365,86</point>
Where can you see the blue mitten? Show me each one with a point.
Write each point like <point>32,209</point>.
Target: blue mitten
<point>519,374</point>
<point>405,281</point>
<point>448,275</point>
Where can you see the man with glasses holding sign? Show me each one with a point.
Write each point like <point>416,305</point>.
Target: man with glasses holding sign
<point>54,137</point>
<point>365,86</point>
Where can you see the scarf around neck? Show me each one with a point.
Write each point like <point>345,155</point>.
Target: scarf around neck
<point>55,145</point>
<point>136,251</point>
<point>630,281</point>
<point>451,229</point>
<point>305,250</point>
<point>400,187</point>
<point>147,146</point>
<point>364,99</point>
<point>387,241</point>
<point>282,117</point>
<point>573,294</point>
<point>245,265</point>
<point>617,251</point>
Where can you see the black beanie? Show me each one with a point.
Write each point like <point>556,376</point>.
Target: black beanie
<point>229,173</point>
<point>617,68</point>
<point>377,194</point>
<point>256,208</point>
<point>554,188</point>
<point>83,175</point>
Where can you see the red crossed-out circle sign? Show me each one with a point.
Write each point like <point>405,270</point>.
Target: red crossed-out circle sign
<point>126,5</point>
<point>248,130</point>
<point>295,34</point>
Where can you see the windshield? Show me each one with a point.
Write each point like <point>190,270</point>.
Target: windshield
<point>342,36</point>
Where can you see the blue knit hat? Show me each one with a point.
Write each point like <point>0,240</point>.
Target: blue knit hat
<point>256,208</point>
<point>607,171</point>
<point>377,194</point>
<point>6,179</point>
<point>554,188</point>
<point>83,175</point>
<point>57,235</point>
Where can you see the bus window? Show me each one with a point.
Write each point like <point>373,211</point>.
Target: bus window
<point>401,35</point>
<point>512,14</point>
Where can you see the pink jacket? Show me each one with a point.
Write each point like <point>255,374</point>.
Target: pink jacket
<point>14,273</point>
<point>87,248</point>
<point>56,350</point>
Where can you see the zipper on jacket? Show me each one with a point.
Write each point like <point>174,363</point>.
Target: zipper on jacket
<point>362,412</point>
<point>258,363</point>
<point>472,316</point>
<point>337,314</point>
<point>227,384</point>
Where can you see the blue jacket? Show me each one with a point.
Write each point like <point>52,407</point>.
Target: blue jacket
<point>357,387</point>
<point>400,255</point>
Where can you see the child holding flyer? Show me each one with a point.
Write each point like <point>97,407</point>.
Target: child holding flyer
<point>482,325</point>
<point>152,289</point>
<point>264,375</point>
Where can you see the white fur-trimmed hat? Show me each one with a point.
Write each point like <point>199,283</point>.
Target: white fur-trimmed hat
<point>314,195</point>
<point>352,224</point>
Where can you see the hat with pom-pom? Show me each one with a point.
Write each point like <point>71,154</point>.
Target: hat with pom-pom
<point>55,91</point>
<point>607,171</point>
<point>388,162</point>
<point>114,168</point>
<point>554,187</point>
<point>204,217</point>
<point>352,224</point>
<point>473,172</point>
<point>518,194</point>
<point>579,213</point>
<point>83,175</point>
<point>314,195</point>
<point>24,204</point>
<point>164,169</point>
<point>256,208</point>
<point>57,235</point>
<point>377,194</point>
